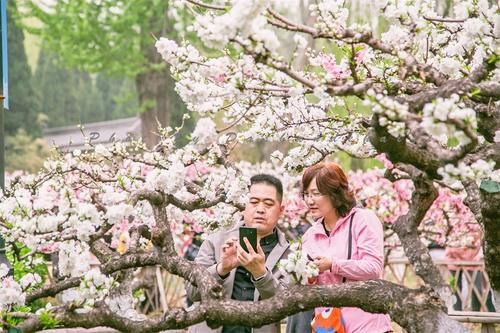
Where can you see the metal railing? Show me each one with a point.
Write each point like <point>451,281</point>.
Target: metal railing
<point>468,279</point>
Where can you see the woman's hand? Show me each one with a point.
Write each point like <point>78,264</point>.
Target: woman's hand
<point>323,263</point>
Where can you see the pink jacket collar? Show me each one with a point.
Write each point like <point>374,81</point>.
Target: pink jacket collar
<point>317,227</point>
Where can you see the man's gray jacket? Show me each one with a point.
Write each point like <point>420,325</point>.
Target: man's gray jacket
<point>209,256</point>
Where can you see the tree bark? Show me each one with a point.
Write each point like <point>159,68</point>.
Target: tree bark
<point>158,100</point>
<point>491,224</point>
<point>416,310</point>
<point>155,89</point>
<point>406,226</point>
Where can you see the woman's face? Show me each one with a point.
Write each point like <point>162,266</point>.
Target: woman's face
<point>319,204</point>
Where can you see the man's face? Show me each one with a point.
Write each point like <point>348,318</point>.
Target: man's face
<point>263,209</point>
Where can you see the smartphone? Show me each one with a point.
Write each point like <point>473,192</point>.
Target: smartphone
<point>251,235</point>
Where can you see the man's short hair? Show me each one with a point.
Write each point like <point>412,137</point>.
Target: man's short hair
<point>263,178</point>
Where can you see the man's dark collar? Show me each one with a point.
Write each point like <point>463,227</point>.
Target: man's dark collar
<point>270,239</point>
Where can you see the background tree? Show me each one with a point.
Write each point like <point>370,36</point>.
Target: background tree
<point>25,152</point>
<point>65,95</point>
<point>23,104</point>
<point>70,96</point>
<point>116,38</point>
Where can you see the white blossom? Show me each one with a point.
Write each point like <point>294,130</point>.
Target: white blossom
<point>497,137</point>
<point>298,265</point>
<point>205,133</point>
<point>4,270</point>
<point>117,213</point>
<point>30,279</point>
<point>10,293</point>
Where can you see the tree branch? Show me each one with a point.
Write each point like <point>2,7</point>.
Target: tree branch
<point>406,227</point>
<point>416,310</point>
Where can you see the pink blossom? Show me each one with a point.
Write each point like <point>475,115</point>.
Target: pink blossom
<point>219,78</point>
<point>48,248</point>
<point>193,171</point>
<point>360,56</point>
<point>335,71</point>
<point>387,163</point>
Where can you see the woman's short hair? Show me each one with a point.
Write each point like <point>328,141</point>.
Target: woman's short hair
<point>331,181</point>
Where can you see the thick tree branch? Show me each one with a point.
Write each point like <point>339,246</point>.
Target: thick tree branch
<point>491,224</point>
<point>401,150</point>
<point>490,89</point>
<point>53,289</point>
<point>461,87</point>
<point>417,310</point>
<point>154,197</point>
<point>406,227</point>
<point>488,116</point>
<point>473,199</point>
<point>198,203</point>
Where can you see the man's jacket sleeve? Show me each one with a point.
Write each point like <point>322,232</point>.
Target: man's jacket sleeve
<point>205,258</point>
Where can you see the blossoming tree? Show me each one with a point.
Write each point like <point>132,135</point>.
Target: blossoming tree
<point>424,92</point>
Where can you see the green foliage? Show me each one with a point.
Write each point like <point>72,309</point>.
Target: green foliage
<point>350,163</point>
<point>493,61</point>
<point>111,37</point>
<point>64,94</point>
<point>22,112</point>
<point>24,152</point>
<point>13,321</point>
<point>14,330</point>
<point>69,96</point>
<point>23,261</point>
<point>106,37</point>
<point>22,267</point>
<point>139,295</point>
<point>117,96</point>
<point>48,320</point>
<point>452,281</point>
<point>490,186</point>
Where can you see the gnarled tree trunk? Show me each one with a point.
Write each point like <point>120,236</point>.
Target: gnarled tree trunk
<point>491,222</point>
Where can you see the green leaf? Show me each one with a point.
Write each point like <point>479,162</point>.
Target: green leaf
<point>453,142</point>
<point>48,320</point>
<point>476,92</point>
<point>493,59</point>
<point>14,330</point>
<point>490,186</point>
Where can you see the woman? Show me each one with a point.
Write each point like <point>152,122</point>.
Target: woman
<point>331,202</point>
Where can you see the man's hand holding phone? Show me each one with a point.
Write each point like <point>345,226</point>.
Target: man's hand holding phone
<point>253,261</point>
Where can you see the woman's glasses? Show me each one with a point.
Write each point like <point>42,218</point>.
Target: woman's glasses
<point>311,195</point>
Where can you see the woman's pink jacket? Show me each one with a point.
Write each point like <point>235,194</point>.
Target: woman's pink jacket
<point>366,263</point>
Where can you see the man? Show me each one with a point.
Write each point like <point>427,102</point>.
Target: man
<point>252,275</point>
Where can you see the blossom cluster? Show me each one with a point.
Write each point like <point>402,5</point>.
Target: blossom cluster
<point>477,171</point>
<point>298,266</point>
<point>255,84</point>
<point>438,118</point>
<point>90,193</point>
<point>11,292</point>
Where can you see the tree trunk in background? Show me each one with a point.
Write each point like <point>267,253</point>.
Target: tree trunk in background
<point>154,89</point>
<point>158,100</point>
